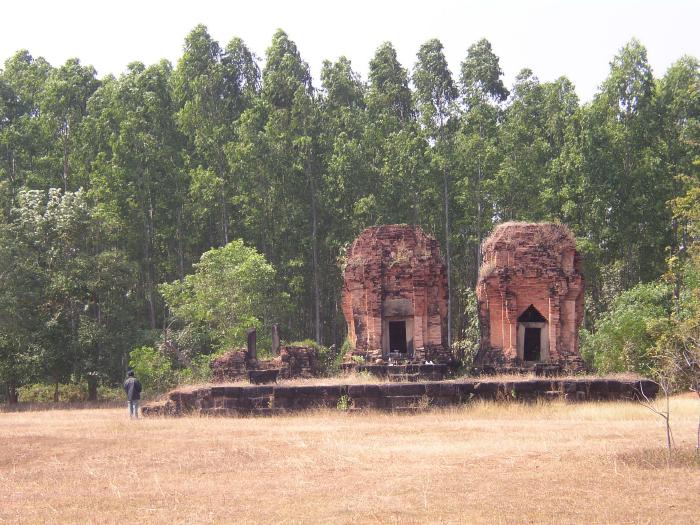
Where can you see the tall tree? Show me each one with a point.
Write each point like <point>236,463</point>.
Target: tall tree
<point>23,140</point>
<point>482,92</point>
<point>140,180</point>
<point>519,183</point>
<point>64,105</point>
<point>277,155</point>
<point>629,191</point>
<point>212,88</point>
<point>678,104</point>
<point>436,94</point>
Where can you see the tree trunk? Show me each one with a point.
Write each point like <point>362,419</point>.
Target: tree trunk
<point>224,219</point>
<point>65,157</point>
<point>314,248</point>
<point>55,392</point>
<point>92,388</point>
<point>479,207</point>
<point>448,256</point>
<point>147,242</point>
<point>180,249</point>
<point>11,393</point>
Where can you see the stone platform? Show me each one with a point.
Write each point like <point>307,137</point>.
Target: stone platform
<point>240,400</point>
<point>406,372</point>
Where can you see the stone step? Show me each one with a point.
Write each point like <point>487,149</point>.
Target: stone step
<point>397,402</point>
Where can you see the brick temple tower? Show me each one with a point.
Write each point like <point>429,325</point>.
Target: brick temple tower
<point>395,295</point>
<point>530,294</point>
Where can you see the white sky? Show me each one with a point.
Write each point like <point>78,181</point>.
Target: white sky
<point>552,37</point>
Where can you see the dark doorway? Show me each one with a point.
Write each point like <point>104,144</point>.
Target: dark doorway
<point>397,337</point>
<point>532,344</point>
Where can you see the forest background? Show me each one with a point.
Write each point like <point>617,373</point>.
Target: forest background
<point>152,217</point>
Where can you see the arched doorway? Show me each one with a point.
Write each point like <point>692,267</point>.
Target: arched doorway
<point>533,336</point>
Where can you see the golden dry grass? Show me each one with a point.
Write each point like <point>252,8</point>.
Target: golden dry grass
<point>482,463</point>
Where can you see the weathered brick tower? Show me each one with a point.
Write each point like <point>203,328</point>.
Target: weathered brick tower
<point>395,295</point>
<point>530,293</point>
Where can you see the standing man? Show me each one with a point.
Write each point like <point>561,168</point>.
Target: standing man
<point>132,386</point>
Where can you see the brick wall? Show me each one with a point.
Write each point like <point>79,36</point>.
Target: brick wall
<point>530,264</point>
<point>395,272</point>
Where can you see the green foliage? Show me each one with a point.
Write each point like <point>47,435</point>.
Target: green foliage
<point>624,336</point>
<point>175,161</point>
<point>231,290</point>
<point>347,347</point>
<point>44,393</point>
<point>110,393</point>
<point>199,370</point>
<point>67,393</point>
<point>344,403</point>
<point>467,346</point>
<point>329,358</point>
<point>153,369</point>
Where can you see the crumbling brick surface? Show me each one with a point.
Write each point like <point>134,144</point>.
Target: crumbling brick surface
<point>395,272</point>
<point>530,264</point>
<point>293,361</point>
<point>231,366</point>
<point>297,361</point>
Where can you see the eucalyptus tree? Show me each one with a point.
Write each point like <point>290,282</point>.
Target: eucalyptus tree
<point>561,187</point>
<point>518,183</point>
<point>391,133</point>
<point>138,179</point>
<point>305,127</point>
<point>212,87</point>
<point>626,190</point>
<point>64,105</point>
<point>678,104</point>
<point>389,99</point>
<point>347,168</point>
<point>23,139</point>
<point>482,93</point>
<point>436,94</point>
<point>277,155</point>
<point>346,175</point>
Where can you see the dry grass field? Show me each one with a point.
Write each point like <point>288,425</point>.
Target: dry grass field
<point>482,463</point>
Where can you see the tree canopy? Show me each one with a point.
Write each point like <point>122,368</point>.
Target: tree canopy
<point>111,187</point>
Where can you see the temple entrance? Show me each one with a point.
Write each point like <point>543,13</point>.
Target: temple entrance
<point>533,336</point>
<point>397,337</point>
<point>532,344</point>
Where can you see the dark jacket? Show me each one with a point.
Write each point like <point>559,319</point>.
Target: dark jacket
<point>132,388</point>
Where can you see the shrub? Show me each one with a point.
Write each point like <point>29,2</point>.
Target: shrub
<point>153,369</point>
<point>347,347</point>
<point>329,358</point>
<point>466,348</point>
<point>44,393</point>
<point>199,370</point>
<point>231,290</point>
<point>624,338</point>
<point>67,393</point>
<point>344,403</point>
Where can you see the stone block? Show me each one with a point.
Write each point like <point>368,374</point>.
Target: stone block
<point>465,391</point>
<point>486,390</point>
<point>218,391</point>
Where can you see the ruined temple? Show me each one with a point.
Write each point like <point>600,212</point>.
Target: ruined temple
<point>395,295</point>
<point>530,294</point>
